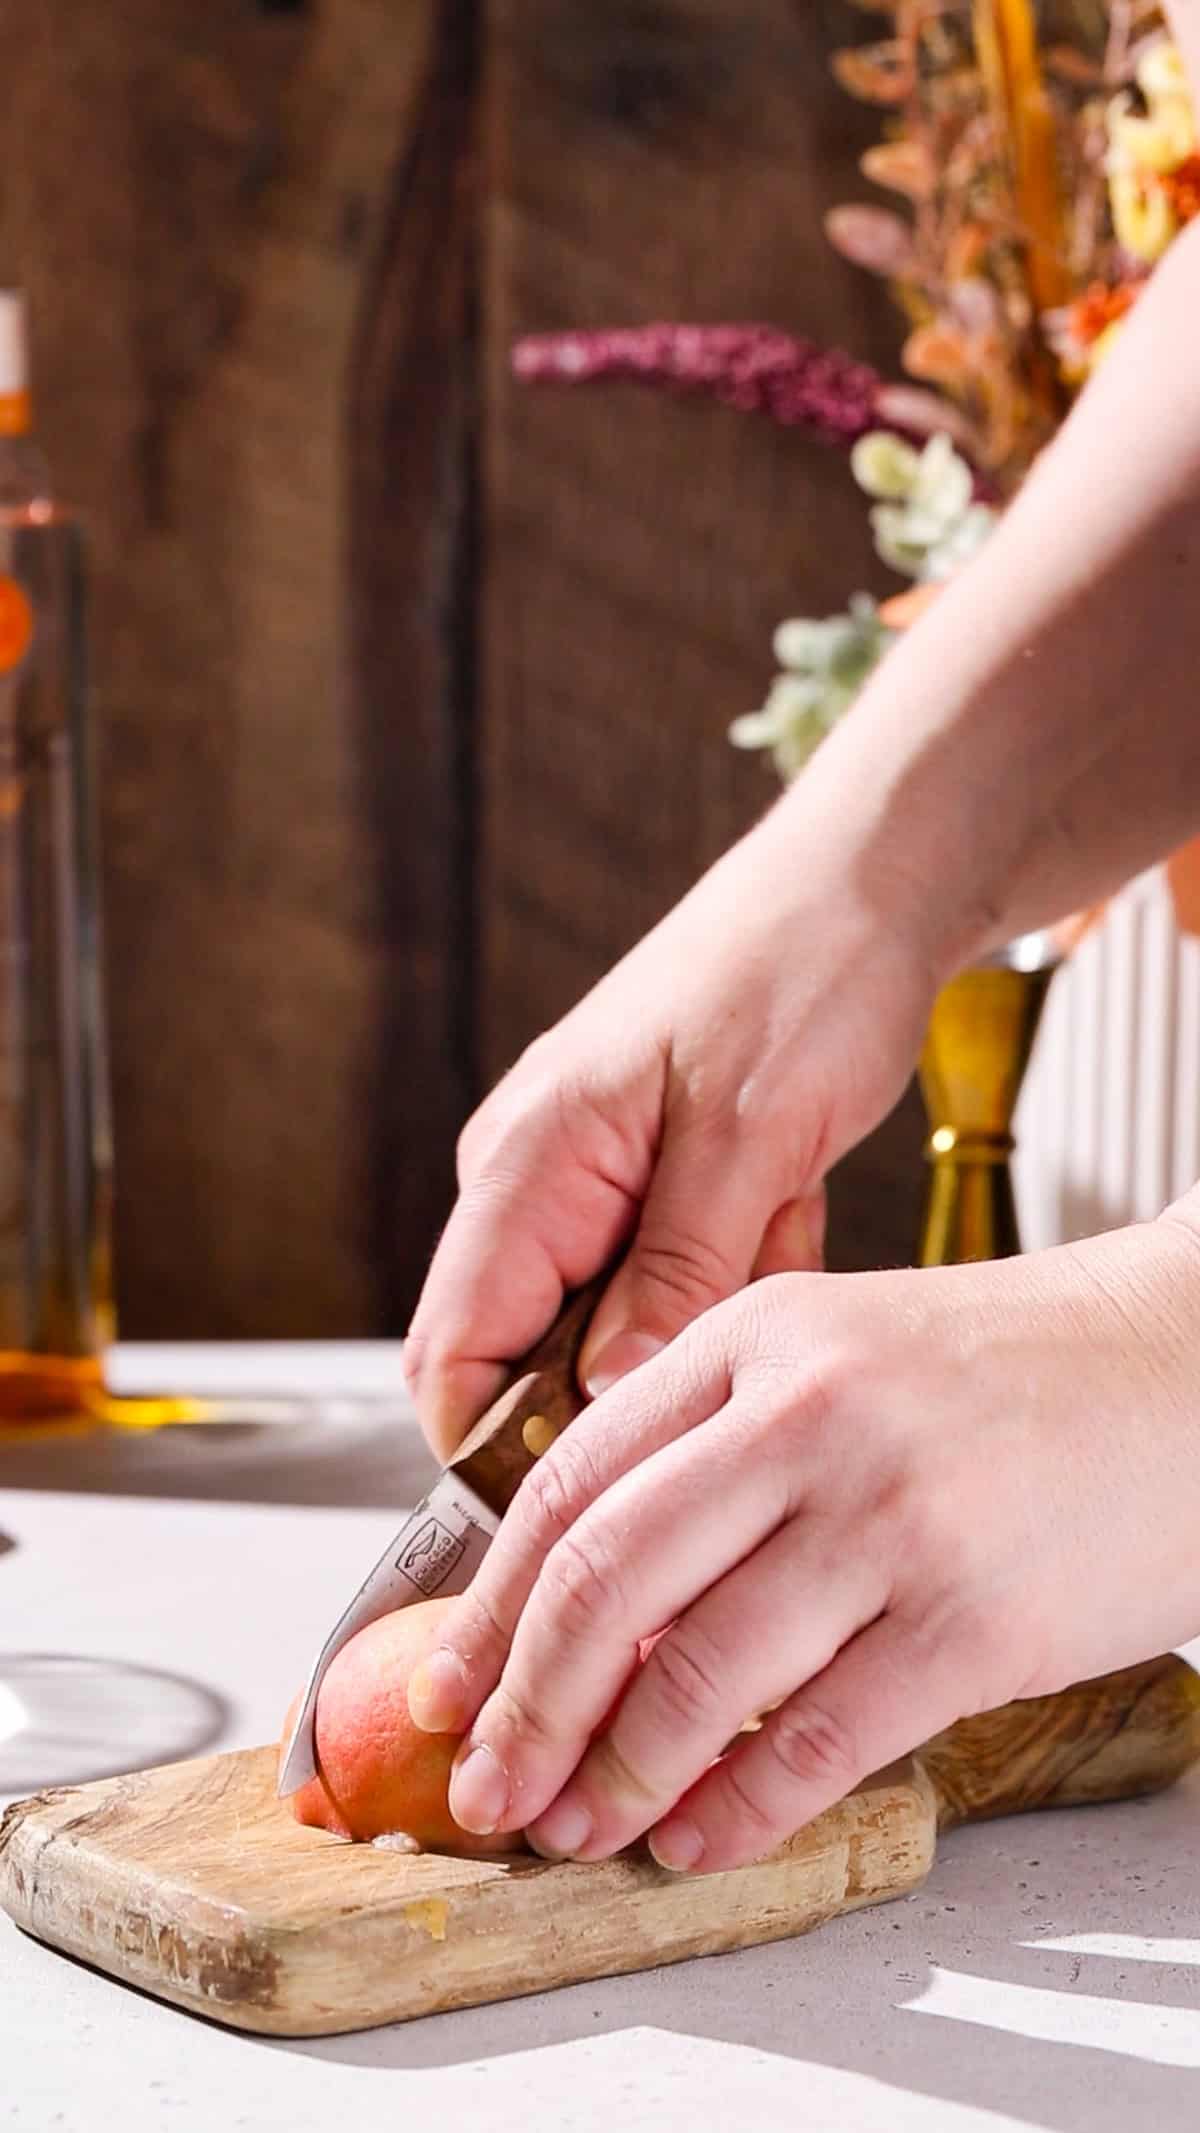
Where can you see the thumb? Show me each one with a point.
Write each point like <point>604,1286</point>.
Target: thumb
<point>794,1240</point>
<point>700,1231</point>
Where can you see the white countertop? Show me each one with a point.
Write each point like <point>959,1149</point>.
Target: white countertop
<point>1046,1976</point>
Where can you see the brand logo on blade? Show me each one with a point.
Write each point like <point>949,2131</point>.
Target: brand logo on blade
<point>430,1555</point>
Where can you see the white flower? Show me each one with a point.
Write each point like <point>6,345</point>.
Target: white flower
<point>824,647</point>
<point>1145,147</point>
<point>928,524</point>
<point>933,560</point>
<point>1161,72</point>
<point>826,664</point>
<point>1151,144</point>
<point>885,465</point>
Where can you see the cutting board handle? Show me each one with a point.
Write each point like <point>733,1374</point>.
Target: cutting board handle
<point>1109,1739</point>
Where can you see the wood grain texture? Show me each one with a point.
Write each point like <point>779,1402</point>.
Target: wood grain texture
<point>266,1926</point>
<point>195,1883</point>
<point>643,161</point>
<point>541,1400</point>
<point>1125,1733</point>
<point>411,557</point>
<point>234,225</point>
<point>271,277</point>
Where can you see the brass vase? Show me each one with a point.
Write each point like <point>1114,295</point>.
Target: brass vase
<point>973,1062</point>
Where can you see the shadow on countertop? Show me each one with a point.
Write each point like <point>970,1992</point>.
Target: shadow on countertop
<point>344,1453</point>
<point>1070,2040</point>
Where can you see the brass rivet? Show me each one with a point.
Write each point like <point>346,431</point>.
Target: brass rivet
<point>537,1435</point>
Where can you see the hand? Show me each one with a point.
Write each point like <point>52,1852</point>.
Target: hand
<point>869,1503</point>
<point>692,1103</point>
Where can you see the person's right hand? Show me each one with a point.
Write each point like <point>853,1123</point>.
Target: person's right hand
<point>691,1106</point>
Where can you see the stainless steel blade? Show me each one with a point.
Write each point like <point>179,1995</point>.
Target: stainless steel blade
<point>437,1550</point>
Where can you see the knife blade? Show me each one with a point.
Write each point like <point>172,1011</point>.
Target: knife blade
<point>441,1544</point>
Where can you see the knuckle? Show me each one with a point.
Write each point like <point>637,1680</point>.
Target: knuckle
<point>416,1359</point>
<point>552,1496</point>
<point>743,1808</point>
<point>816,1409</point>
<point>536,1063</point>
<point>591,1142</point>
<point>686,1673</point>
<point>468,1148</point>
<point>550,1109</point>
<point>581,1584</point>
<point>479,1630</point>
<point>505,1133</point>
<point>486,1127</point>
<point>808,1395</point>
<point>968,1631</point>
<point>940,1543</point>
<point>517,1716</point>
<point>813,1746</point>
<point>691,1271</point>
<point>969,1623</point>
<point>617,1774</point>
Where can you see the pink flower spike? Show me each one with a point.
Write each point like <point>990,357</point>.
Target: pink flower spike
<point>754,367</point>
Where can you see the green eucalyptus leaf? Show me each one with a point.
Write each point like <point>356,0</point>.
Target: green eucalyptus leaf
<point>884,464</point>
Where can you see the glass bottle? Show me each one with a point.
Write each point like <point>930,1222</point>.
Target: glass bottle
<point>55,1153</point>
<point>64,1716</point>
<point>973,1061</point>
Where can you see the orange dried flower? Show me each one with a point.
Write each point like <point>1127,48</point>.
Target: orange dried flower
<point>1098,308</point>
<point>939,353</point>
<point>903,609</point>
<point>966,252</point>
<point>1182,187</point>
<point>904,166</point>
<point>876,73</point>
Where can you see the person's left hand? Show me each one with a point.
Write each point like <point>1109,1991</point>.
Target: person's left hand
<point>870,1504</point>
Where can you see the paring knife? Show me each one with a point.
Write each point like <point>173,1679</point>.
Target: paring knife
<point>442,1543</point>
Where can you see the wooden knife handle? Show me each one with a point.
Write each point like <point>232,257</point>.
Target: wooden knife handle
<point>540,1400</point>
<point>1131,1732</point>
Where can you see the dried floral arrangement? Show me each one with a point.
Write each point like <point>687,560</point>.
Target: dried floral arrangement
<point>1043,154</point>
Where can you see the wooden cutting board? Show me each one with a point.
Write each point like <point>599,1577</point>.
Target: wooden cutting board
<point>194,1882</point>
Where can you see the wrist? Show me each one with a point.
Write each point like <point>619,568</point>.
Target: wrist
<point>1181,1223</point>
<point>857,819</point>
<point>1019,753</point>
<point>1145,1285</point>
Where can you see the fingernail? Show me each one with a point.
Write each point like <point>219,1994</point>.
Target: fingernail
<point>437,1693</point>
<point>677,1845</point>
<point>478,1792</point>
<point>561,1832</point>
<point>623,1353</point>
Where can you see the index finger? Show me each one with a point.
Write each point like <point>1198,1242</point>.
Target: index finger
<point>644,1554</point>
<point>641,1414</point>
<point>535,1221</point>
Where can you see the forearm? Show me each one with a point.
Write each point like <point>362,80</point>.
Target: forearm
<point>1036,739</point>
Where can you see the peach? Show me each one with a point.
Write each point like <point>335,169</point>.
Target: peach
<point>378,1774</point>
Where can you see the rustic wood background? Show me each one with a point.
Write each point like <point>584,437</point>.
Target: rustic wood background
<point>414,683</point>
